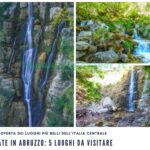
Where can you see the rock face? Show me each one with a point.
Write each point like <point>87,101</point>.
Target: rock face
<point>106,57</point>
<point>79,54</point>
<point>85,36</point>
<point>81,46</point>
<point>7,94</point>
<point>143,102</point>
<point>54,11</point>
<point>47,30</point>
<point>104,40</point>
<point>59,87</point>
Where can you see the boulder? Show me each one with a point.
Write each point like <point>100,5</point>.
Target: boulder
<point>82,45</point>
<point>79,54</point>
<point>92,48</point>
<point>95,26</point>
<point>124,58</point>
<point>106,57</point>
<point>85,36</point>
<point>99,108</point>
<point>109,104</point>
<point>54,11</point>
<point>86,23</point>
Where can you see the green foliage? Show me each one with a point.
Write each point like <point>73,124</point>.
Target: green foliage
<point>61,113</point>
<point>67,72</point>
<point>3,8</point>
<point>67,48</point>
<point>101,35</point>
<point>124,14</point>
<point>83,73</point>
<point>128,45</point>
<point>147,69</point>
<point>93,91</point>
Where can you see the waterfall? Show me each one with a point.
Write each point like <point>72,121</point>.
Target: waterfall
<point>28,63</point>
<point>143,48</point>
<point>29,26</point>
<point>51,55</point>
<point>131,105</point>
<point>145,94</point>
<point>60,27</point>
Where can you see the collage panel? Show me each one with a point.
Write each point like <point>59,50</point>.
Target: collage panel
<point>113,95</point>
<point>36,64</point>
<point>113,32</point>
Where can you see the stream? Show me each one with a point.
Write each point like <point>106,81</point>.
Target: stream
<point>28,63</point>
<point>131,105</point>
<point>132,109</point>
<point>143,49</point>
<point>35,104</point>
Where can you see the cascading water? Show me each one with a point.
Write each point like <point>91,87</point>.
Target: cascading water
<point>131,105</point>
<point>51,55</point>
<point>38,105</point>
<point>28,63</point>
<point>143,48</point>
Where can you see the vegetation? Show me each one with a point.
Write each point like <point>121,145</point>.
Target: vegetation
<point>114,24</point>
<point>62,105</point>
<point>123,13</point>
<point>92,91</point>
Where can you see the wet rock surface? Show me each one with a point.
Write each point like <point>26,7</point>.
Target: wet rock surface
<point>112,110</point>
<point>46,20</point>
<point>111,119</point>
<point>110,47</point>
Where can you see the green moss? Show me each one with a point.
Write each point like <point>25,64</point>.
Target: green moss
<point>102,35</point>
<point>128,45</point>
<point>62,111</point>
<point>67,72</point>
<point>93,91</point>
<point>67,48</point>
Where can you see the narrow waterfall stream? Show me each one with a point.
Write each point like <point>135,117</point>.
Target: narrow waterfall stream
<point>28,63</point>
<point>35,109</point>
<point>143,48</point>
<point>51,55</point>
<point>131,105</point>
